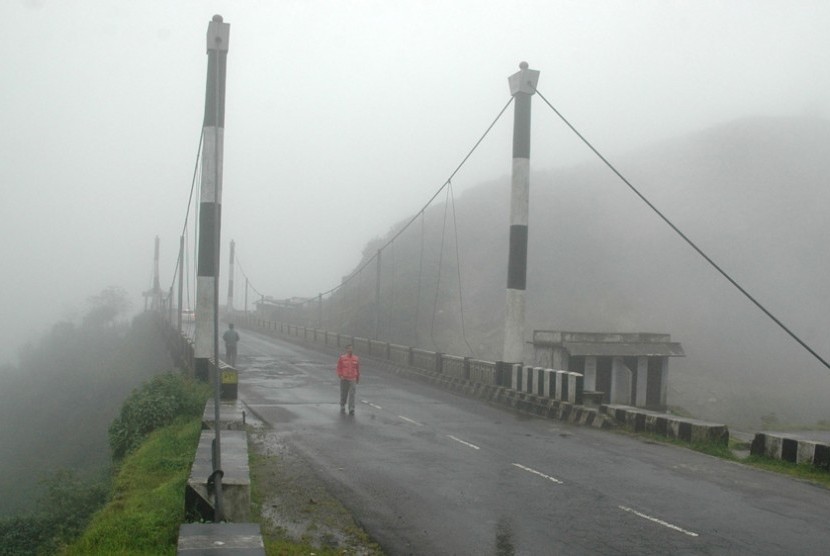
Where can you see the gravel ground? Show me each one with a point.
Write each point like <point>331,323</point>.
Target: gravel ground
<point>298,515</point>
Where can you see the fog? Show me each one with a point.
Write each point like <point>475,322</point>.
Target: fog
<point>342,118</point>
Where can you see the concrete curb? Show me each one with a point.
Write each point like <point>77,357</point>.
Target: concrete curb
<point>793,450</point>
<point>670,426</point>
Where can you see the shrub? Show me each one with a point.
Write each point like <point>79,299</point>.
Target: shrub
<point>156,404</point>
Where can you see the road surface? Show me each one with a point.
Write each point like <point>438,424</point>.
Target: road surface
<point>428,472</point>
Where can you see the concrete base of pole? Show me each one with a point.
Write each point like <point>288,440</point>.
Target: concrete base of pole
<point>201,369</point>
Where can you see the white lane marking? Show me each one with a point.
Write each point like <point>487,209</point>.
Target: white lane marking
<point>658,521</point>
<point>408,420</point>
<point>370,404</point>
<point>548,477</point>
<point>473,446</point>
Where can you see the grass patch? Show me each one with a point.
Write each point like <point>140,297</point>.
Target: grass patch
<point>717,450</point>
<point>803,471</point>
<point>147,503</point>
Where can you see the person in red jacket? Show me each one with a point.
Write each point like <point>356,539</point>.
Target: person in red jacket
<point>348,369</point>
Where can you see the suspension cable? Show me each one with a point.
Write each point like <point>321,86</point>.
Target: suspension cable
<point>458,267</point>
<point>179,260</point>
<point>428,203</point>
<point>440,264</point>
<point>685,238</point>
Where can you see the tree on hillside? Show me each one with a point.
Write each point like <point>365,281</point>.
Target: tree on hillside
<point>106,307</point>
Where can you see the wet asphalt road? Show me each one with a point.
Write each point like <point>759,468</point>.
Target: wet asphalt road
<point>427,472</point>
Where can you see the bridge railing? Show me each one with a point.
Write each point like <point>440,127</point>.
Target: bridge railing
<point>553,384</point>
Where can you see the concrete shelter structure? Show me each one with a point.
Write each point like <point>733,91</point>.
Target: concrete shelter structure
<point>626,368</point>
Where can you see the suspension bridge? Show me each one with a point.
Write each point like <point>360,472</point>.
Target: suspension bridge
<point>409,310</point>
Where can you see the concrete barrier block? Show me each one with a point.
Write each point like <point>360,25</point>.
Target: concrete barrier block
<point>527,379</point>
<point>772,446</point>
<point>548,382</point>
<point>236,482</point>
<point>574,388</point>
<point>758,446</point>
<point>789,449</point>
<point>805,452</point>
<point>537,380</point>
<point>708,432</point>
<point>821,458</point>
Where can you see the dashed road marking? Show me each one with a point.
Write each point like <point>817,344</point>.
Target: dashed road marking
<point>658,521</point>
<point>530,470</point>
<point>370,404</point>
<point>408,420</point>
<point>473,446</point>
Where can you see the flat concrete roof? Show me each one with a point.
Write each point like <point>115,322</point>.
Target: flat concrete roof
<point>625,349</point>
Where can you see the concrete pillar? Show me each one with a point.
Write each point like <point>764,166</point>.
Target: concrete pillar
<point>620,382</point>
<point>522,87</point>
<point>664,381</point>
<point>642,381</point>
<point>590,373</point>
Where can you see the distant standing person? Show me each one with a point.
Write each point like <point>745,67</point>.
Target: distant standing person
<point>231,338</point>
<point>348,369</point>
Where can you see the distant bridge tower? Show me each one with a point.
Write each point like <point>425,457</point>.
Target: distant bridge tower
<point>522,87</point>
<point>213,132</point>
<point>230,278</point>
<point>153,295</point>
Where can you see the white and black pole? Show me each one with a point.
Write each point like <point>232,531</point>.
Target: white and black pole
<point>522,87</point>
<point>210,205</point>
<point>207,274</point>
<point>230,279</point>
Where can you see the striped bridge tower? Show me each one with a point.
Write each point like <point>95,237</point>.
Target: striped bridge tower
<point>210,201</point>
<point>522,87</point>
<point>230,278</point>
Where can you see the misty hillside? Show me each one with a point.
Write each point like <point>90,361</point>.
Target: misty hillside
<point>751,194</point>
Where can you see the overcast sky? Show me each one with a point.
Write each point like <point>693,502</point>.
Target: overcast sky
<point>342,118</point>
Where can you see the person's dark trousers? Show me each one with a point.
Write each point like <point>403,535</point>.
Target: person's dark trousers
<point>348,390</point>
<point>231,355</point>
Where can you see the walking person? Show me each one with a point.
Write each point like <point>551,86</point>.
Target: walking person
<point>231,338</point>
<point>348,369</point>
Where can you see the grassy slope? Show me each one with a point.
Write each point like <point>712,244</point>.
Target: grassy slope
<point>147,505</point>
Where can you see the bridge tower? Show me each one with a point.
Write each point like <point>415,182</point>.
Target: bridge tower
<point>522,87</point>
<point>153,295</point>
<point>210,200</point>
<point>230,278</point>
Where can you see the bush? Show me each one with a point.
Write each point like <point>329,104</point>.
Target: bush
<point>62,514</point>
<point>158,403</point>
